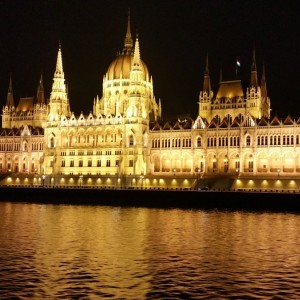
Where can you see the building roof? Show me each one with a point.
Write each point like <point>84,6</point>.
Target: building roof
<point>230,89</point>
<point>25,104</point>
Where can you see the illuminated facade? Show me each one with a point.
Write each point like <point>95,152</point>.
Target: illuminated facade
<point>124,135</point>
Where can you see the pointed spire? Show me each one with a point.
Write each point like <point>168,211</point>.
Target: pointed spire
<point>206,82</point>
<point>253,81</point>
<point>40,96</point>
<point>59,102</point>
<point>59,66</point>
<point>128,42</point>
<point>264,84</point>
<point>10,95</point>
<point>137,55</point>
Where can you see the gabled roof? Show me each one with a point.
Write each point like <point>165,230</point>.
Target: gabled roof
<point>167,126</point>
<point>288,120</point>
<point>235,122</point>
<point>156,127</point>
<point>275,121</point>
<point>177,126</point>
<point>213,124</point>
<point>224,123</point>
<point>262,122</point>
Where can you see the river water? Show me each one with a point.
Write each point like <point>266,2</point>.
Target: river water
<point>100,252</point>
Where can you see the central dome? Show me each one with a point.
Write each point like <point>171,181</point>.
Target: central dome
<point>120,68</point>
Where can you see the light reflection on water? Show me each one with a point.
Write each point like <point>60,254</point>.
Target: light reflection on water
<point>94,252</point>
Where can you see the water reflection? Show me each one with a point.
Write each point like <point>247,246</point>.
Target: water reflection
<point>90,252</point>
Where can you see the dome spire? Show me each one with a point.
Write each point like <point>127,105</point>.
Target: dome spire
<point>128,42</point>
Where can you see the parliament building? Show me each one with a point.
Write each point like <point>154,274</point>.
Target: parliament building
<point>124,140</point>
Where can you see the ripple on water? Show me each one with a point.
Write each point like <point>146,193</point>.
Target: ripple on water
<point>82,252</point>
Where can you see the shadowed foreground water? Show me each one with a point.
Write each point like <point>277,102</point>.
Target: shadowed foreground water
<point>93,252</point>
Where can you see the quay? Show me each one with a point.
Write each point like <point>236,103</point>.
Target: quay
<point>280,201</point>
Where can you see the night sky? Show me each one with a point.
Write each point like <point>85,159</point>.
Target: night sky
<point>174,36</point>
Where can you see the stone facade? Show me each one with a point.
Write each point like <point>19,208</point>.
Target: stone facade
<point>233,134</point>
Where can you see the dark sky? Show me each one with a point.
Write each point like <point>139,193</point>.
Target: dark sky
<point>175,37</point>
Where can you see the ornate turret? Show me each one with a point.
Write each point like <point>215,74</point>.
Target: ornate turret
<point>59,102</point>
<point>206,94</point>
<point>136,68</point>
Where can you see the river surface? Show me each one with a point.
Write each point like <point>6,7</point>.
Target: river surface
<point>100,252</point>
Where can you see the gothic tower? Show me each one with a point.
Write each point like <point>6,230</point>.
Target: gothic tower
<point>59,103</point>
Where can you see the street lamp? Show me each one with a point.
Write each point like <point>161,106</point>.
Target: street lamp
<point>43,178</point>
<point>80,180</point>
<point>278,171</point>
<point>174,171</point>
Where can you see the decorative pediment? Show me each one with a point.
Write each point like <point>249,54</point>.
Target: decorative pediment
<point>26,131</point>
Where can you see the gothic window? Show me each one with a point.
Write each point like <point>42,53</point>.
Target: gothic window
<point>226,166</point>
<point>80,164</point>
<point>72,163</point>
<point>99,163</point>
<point>130,163</point>
<point>24,146</point>
<point>199,144</point>
<point>89,163</point>
<point>131,140</point>
<point>250,165</point>
<point>52,142</point>
<point>108,162</point>
<point>63,163</point>
<point>248,141</point>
